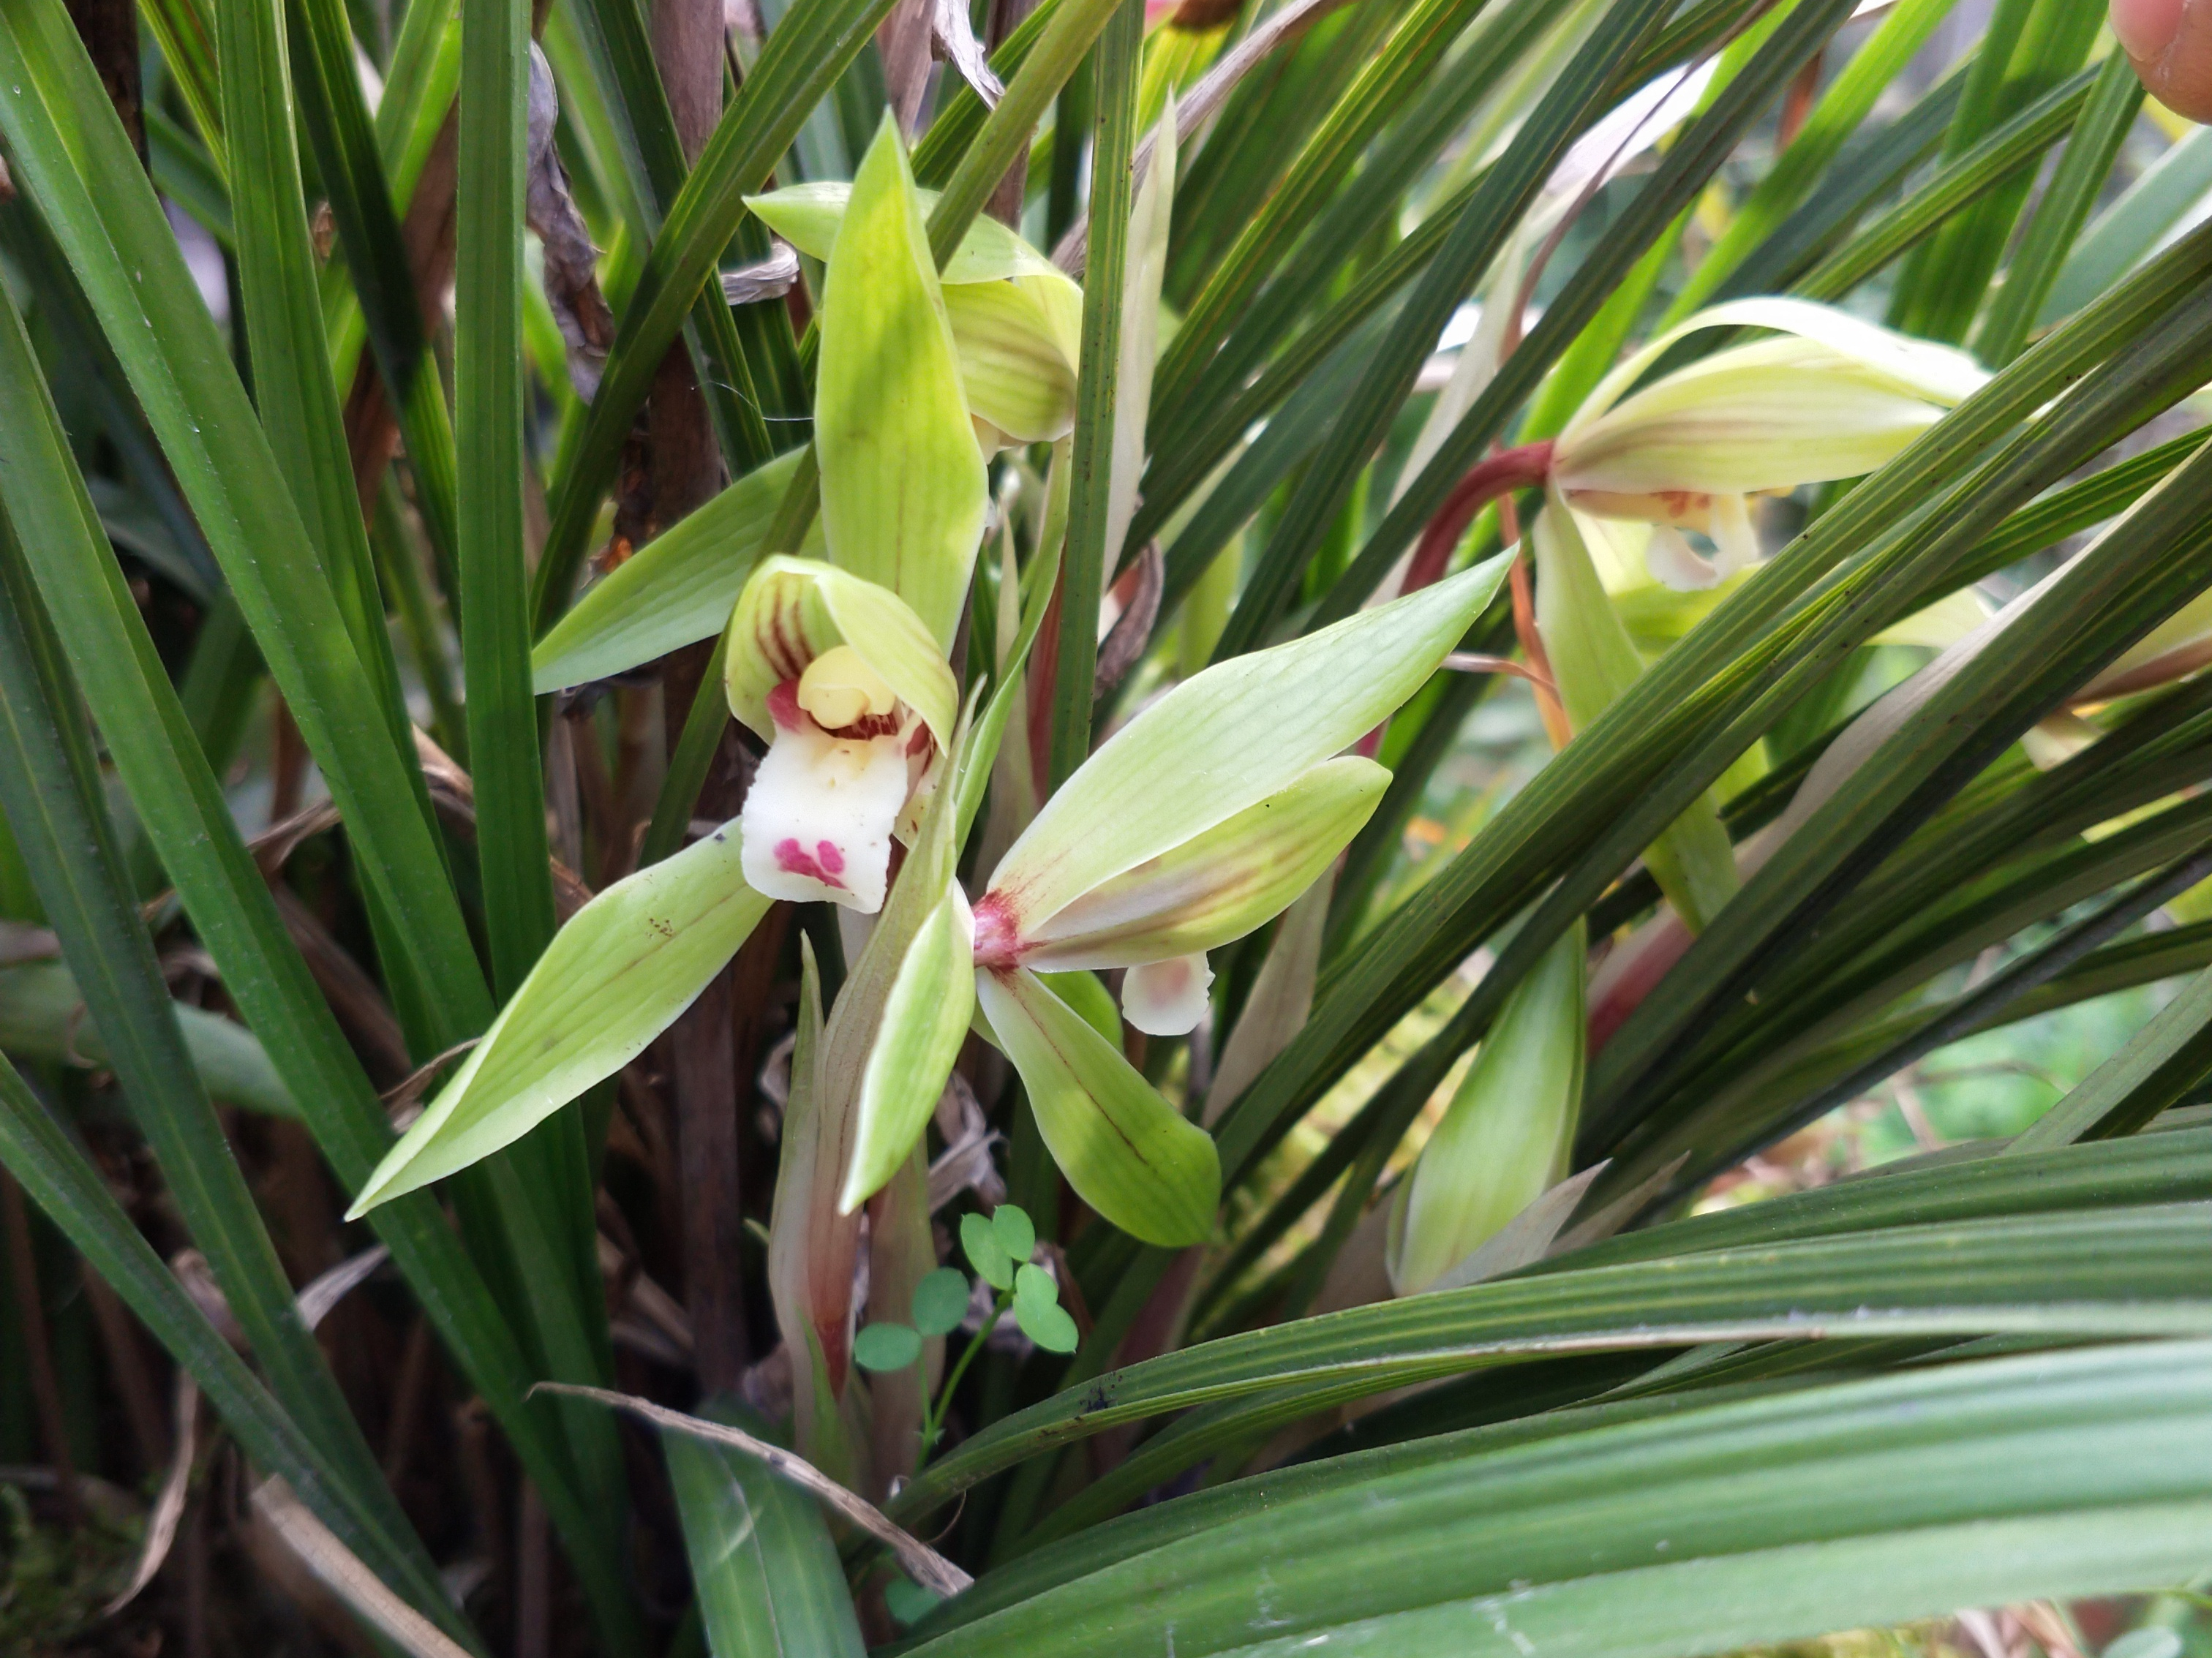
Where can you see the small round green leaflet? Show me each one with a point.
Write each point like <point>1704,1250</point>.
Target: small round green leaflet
<point>990,1257</point>
<point>941,1301</point>
<point>907,1601</point>
<point>1015,1230</point>
<point>886,1347</point>
<point>1038,1311</point>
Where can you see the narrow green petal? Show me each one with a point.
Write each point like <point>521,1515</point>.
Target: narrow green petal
<point>1219,885</point>
<point>903,488</point>
<point>1127,1152</point>
<point>925,1020</point>
<point>1227,739</point>
<point>611,981</point>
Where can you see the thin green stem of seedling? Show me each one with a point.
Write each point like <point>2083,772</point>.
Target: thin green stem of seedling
<point>932,1424</point>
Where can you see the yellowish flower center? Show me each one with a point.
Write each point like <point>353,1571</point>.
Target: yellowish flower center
<point>839,688</point>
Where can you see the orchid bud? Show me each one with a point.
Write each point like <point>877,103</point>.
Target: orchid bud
<point>1017,319</point>
<point>1828,397</point>
<point>1504,1139</point>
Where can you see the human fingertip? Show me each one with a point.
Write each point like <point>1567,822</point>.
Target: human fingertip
<point>2145,28</point>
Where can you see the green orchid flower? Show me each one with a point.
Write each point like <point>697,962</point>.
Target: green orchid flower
<point>1826,396</point>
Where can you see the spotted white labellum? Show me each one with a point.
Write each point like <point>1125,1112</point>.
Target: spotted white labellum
<point>1826,395</point>
<point>847,684</point>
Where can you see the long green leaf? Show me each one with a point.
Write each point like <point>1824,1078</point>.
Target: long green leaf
<point>1084,561</point>
<point>1755,1520</point>
<point>62,135</point>
<point>63,1180</point>
<point>49,785</point>
<point>2098,1273</point>
<point>159,760</point>
<point>763,1566</point>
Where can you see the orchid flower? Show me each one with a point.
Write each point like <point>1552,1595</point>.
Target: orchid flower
<point>1203,818</point>
<point>1828,396</point>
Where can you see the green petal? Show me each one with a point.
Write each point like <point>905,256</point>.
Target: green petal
<point>611,981</point>
<point>678,589</point>
<point>1017,363</point>
<point>1219,885</point>
<point>899,1020</point>
<point>792,609</point>
<point>1227,739</point>
<point>925,1020</point>
<point>903,488</point>
<point>1127,1152</point>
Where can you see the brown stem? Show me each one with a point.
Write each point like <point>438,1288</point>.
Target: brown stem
<point>38,1354</point>
<point>1488,480</point>
<point>1532,646</point>
<point>109,30</point>
<point>126,1362</point>
<point>701,1046</point>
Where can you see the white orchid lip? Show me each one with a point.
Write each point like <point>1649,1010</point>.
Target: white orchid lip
<point>819,816</point>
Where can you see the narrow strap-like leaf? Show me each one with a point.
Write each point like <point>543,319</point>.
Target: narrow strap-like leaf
<point>48,784</point>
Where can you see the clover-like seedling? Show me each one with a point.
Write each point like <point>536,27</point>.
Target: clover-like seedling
<point>1038,1311</point>
<point>941,1301</point>
<point>886,1347</point>
<point>986,1250</point>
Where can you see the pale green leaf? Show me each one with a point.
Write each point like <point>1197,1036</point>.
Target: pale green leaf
<point>886,1347</point>
<point>1127,1152</point>
<point>42,1016</point>
<point>903,490</point>
<point>941,1301</point>
<point>986,1252</point>
<point>1038,1311</point>
<point>1015,1230</point>
<point>617,976</point>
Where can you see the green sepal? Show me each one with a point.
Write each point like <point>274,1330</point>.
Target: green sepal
<point>1228,739</point>
<point>1127,1152</point>
<point>904,492</point>
<point>809,215</point>
<point>616,976</point>
<point>675,591</point>
<point>1594,662</point>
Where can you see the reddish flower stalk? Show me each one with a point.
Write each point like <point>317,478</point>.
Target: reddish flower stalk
<point>1523,468</point>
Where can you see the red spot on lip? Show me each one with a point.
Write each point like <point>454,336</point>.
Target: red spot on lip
<point>794,859</point>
